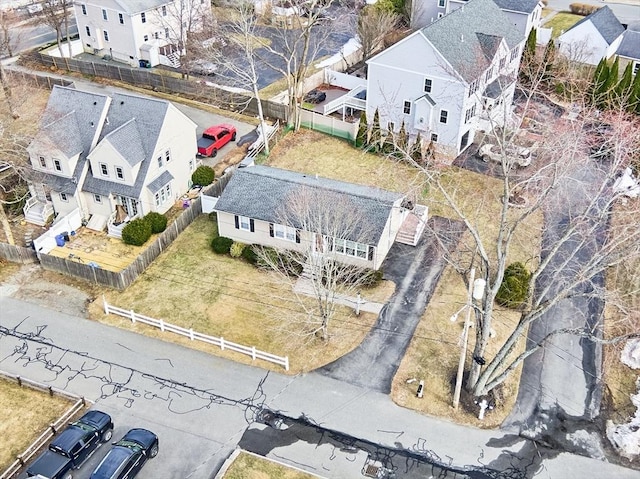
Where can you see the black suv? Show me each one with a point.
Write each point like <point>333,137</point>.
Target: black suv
<point>73,446</point>
<point>128,455</point>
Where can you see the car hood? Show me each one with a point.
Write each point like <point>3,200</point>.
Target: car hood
<point>141,436</point>
<point>48,464</point>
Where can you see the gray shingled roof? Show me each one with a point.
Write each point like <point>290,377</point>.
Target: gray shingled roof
<point>630,45</point>
<point>497,86</point>
<point>259,192</point>
<point>149,115</point>
<point>136,6</point>
<point>127,141</point>
<point>59,184</point>
<point>456,37</point>
<point>86,109</point>
<point>164,178</point>
<point>522,6</point>
<point>605,22</point>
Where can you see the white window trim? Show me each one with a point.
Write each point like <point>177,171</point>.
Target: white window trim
<point>244,223</point>
<point>446,118</point>
<point>64,197</point>
<point>43,161</point>
<point>105,34</point>
<point>442,3</point>
<point>83,9</point>
<point>434,137</point>
<point>121,170</point>
<point>57,165</point>
<point>351,248</point>
<point>406,103</point>
<point>283,232</point>
<point>143,17</point>
<point>104,169</point>
<point>424,86</point>
<point>121,18</point>
<point>97,198</point>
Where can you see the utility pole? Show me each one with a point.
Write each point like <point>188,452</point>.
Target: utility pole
<point>465,338</point>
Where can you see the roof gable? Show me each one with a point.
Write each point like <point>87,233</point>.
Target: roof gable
<point>630,45</point>
<point>464,36</point>
<point>127,141</point>
<point>260,192</point>
<point>605,22</point>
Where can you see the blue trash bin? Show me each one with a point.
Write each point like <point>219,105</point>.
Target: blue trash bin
<point>59,240</point>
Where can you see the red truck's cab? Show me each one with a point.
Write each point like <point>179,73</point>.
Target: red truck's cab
<point>214,138</point>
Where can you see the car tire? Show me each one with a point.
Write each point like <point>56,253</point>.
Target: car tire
<point>233,137</point>
<point>214,152</point>
<point>107,435</point>
<point>153,452</point>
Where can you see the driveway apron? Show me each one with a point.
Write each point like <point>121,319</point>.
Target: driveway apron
<point>415,271</point>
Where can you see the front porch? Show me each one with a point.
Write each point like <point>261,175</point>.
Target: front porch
<point>413,226</point>
<point>37,212</point>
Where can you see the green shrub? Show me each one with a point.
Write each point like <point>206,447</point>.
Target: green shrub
<point>250,255</point>
<point>371,277</point>
<point>213,216</point>
<point>237,249</point>
<point>514,287</point>
<point>136,232</point>
<point>157,221</point>
<point>203,176</point>
<point>221,245</point>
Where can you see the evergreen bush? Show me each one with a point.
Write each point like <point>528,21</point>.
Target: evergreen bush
<point>203,176</point>
<point>136,232</point>
<point>221,245</point>
<point>514,287</point>
<point>249,255</point>
<point>157,221</point>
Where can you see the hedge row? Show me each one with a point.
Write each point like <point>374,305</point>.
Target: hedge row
<point>139,230</point>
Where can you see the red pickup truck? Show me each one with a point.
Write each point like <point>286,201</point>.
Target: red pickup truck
<point>214,138</point>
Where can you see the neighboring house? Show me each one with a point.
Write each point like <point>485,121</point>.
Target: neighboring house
<point>629,49</point>
<point>464,81</point>
<point>94,152</point>
<point>135,30</point>
<point>524,14</point>
<point>254,206</point>
<point>593,38</point>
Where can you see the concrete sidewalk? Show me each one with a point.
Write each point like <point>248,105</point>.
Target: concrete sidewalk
<point>305,286</point>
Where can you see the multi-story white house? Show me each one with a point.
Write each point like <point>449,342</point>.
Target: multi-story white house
<point>450,78</point>
<point>524,14</point>
<point>93,152</point>
<point>153,31</point>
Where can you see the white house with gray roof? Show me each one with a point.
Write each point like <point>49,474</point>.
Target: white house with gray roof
<point>253,209</point>
<point>102,154</point>
<point>524,14</point>
<point>134,30</point>
<point>450,78</point>
<point>593,38</point>
<point>629,48</point>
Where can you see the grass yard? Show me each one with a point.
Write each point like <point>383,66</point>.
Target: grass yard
<point>190,286</point>
<point>561,22</point>
<point>249,466</point>
<point>433,353</point>
<point>24,414</point>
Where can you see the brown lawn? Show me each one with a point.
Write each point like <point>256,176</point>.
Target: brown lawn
<point>249,466</point>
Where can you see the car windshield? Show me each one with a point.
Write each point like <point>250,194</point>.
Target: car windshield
<point>83,426</point>
<point>134,446</point>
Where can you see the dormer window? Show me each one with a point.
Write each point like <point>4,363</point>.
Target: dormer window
<point>119,173</point>
<point>43,162</point>
<point>57,165</point>
<point>104,170</point>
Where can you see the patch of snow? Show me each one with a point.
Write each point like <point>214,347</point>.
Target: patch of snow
<point>589,441</point>
<point>631,353</point>
<point>626,437</point>
<point>350,47</point>
<point>627,184</point>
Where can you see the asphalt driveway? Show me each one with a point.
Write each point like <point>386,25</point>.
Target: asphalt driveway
<point>415,271</point>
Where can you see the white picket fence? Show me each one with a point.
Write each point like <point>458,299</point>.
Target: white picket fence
<point>196,336</point>
<point>53,428</point>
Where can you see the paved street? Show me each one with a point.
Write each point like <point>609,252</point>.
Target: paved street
<point>203,404</point>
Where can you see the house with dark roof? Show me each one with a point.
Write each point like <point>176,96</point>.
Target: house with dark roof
<point>278,208</point>
<point>593,38</point>
<point>449,79</point>
<point>524,14</point>
<point>105,155</point>
<point>134,30</point>
<point>629,49</point>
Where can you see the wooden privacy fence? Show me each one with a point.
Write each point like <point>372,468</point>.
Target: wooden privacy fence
<point>194,335</point>
<point>17,254</point>
<point>53,428</point>
<point>159,81</point>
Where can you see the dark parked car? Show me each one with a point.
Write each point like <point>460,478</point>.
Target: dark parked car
<point>128,455</point>
<point>73,446</point>
<point>315,96</point>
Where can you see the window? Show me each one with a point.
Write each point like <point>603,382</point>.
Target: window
<point>104,170</point>
<point>163,195</point>
<point>121,18</point>
<point>636,68</point>
<point>427,85</point>
<point>143,17</point>
<point>156,35</point>
<point>104,15</point>
<point>43,162</point>
<point>167,156</point>
<point>243,223</point>
<point>88,30</point>
<point>106,35</point>
<point>160,162</point>
<point>503,62</point>
<point>284,232</point>
<point>351,248</point>
<point>470,113</point>
<point>63,197</point>
<point>488,75</point>
<point>164,10</point>
<point>97,198</point>
<point>441,3</point>
<point>119,173</point>
<point>57,165</point>
<point>444,114</point>
<point>166,32</point>
<point>514,54</point>
<point>434,137</point>
<point>146,38</point>
<point>191,165</point>
<point>406,108</point>
<point>473,87</point>
<point>83,7</point>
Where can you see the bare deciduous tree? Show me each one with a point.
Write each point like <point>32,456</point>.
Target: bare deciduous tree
<point>55,14</point>
<point>373,25</point>
<point>327,224</point>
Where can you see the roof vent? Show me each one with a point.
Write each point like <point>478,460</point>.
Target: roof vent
<point>106,120</point>
<point>122,102</point>
<point>95,102</point>
<point>91,123</point>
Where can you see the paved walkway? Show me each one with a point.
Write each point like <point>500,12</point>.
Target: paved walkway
<point>305,286</point>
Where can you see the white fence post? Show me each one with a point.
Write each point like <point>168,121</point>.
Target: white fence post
<point>191,334</point>
<point>106,306</point>
<point>286,363</point>
<point>253,353</point>
<point>133,316</point>
<point>221,343</point>
<point>162,325</point>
